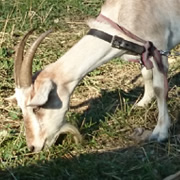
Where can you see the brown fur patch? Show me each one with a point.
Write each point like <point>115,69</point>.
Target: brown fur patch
<point>29,130</point>
<point>30,137</point>
<point>39,113</point>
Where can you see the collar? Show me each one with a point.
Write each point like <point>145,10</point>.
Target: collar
<point>117,42</point>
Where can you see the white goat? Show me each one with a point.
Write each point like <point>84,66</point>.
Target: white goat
<point>45,101</point>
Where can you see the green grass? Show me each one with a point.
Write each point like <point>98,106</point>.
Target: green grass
<point>21,15</point>
<point>102,105</point>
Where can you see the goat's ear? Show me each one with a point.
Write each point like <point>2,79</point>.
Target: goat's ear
<point>11,99</point>
<point>41,94</point>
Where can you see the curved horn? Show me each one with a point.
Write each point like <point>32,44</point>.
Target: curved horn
<point>19,57</point>
<point>26,67</point>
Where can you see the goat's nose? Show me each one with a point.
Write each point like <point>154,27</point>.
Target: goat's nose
<point>31,148</point>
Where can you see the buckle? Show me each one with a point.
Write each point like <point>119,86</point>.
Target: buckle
<point>120,43</point>
<point>117,42</point>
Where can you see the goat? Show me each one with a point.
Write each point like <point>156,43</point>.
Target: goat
<point>45,100</point>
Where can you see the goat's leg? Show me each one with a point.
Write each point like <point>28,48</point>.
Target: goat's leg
<point>160,133</point>
<point>148,87</point>
<point>148,83</point>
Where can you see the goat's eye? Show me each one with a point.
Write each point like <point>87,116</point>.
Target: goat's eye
<point>35,110</point>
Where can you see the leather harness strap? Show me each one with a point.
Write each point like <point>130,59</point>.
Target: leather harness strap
<point>102,18</point>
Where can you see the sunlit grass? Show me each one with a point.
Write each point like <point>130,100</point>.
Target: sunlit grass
<point>102,106</point>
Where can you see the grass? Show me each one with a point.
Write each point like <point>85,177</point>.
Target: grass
<point>102,105</point>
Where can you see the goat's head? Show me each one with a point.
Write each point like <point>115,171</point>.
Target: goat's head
<point>39,100</point>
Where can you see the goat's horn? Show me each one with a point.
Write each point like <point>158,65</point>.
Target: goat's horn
<point>19,57</point>
<point>26,67</point>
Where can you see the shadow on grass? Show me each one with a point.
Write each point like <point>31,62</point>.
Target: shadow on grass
<point>143,162</point>
<point>109,101</point>
<point>146,162</point>
<point>175,80</point>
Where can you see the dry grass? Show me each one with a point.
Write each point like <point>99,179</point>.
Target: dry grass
<point>102,106</point>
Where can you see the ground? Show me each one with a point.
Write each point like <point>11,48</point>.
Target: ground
<point>102,106</point>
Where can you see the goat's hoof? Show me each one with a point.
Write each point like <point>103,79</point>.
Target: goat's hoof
<point>158,137</point>
<point>142,103</point>
<point>145,101</point>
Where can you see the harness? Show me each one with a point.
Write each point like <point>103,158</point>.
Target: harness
<point>146,51</point>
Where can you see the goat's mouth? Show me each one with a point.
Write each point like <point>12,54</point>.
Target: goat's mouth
<point>36,148</point>
<point>48,142</point>
<point>43,146</point>
<point>51,140</point>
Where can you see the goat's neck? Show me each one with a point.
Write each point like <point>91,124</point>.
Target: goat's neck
<point>89,53</point>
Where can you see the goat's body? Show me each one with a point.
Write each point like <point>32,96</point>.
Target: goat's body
<point>149,19</point>
<point>152,20</point>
